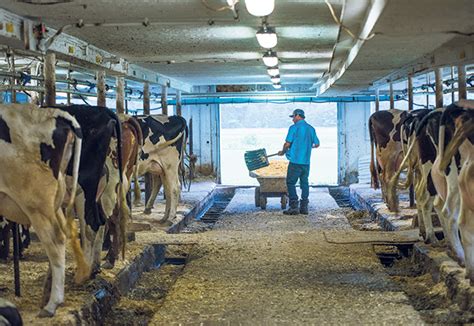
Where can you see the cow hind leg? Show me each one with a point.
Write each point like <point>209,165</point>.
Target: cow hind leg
<point>155,189</point>
<point>466,228</point>
<point>172,191</point>
<point>53,241</point>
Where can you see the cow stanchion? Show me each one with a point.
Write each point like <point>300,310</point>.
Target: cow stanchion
<point>16,259</point>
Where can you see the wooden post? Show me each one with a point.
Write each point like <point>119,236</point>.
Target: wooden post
<point>392,100</point>
<point>34,96</point>
<point>178,103</point>
<point>146,98</point>
<point>146,111</point>
<point>410,108</point>
<point>164,103</point>
<point>119,95</point>
<point>101,91</point>
<point>428,81</point>
<point>453,98</point>
<point>410,92</point>
<point>68,95</point>
<point>12,78</point>
<point>462,82</point>
<point>377,100</point>
<point>50,79</point>
<point>439,87</point>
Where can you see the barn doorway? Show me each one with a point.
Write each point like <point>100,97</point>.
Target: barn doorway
<point>248,126</point>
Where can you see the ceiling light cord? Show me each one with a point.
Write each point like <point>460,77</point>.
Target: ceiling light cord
<point>344,27</point>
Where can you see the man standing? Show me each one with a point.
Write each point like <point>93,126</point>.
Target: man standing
<point>301,139</point>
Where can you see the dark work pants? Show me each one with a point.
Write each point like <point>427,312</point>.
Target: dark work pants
<point>295,172</point>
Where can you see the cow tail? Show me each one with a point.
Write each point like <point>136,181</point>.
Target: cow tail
<point>182,153</point>
<point>83,269</point>
<point>373,170</point>
<point>460,134</point>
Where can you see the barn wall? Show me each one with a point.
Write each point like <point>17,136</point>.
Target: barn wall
<point>206,126</point>
<point>353,139</point>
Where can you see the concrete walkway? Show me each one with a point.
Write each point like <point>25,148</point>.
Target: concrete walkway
<point>262,267</point>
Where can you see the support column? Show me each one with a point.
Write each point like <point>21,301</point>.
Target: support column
<point>68,95</point>
<point>12,79</point>
<point>50,79</point>
<point>392,100</point>
<point>164,103</point>
<point>101,100</point>
<point>377,100</point>
<point>462,82</point>
<point>146,111</point>
<point>178,103</point>
<point>439,87</point>
<point>119,95</point>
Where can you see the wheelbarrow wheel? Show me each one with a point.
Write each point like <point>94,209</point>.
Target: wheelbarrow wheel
<point>263,202</point>
<point>257,196</point>
<point>284,202</point>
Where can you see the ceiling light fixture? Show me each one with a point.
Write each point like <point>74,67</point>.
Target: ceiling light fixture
<point>260,8</point>
<point>270,59</point>
<point>273,71</point>
<point>267,37</point>
<point>277,86</point>
<point>276,79</point>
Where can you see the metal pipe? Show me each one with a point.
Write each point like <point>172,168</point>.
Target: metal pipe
<point>68,87</point>
<point>12,79</point>
<point>439,87</point>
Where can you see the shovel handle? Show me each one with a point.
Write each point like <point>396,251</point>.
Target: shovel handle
<point>272,155</point>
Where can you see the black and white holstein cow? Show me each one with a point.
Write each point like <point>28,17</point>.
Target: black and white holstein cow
<point>100,176</point>
<point>419,149</point>
<point>454,169</point>
<point>164,141</point>
<point>36,146</point>
<point>384,130</point>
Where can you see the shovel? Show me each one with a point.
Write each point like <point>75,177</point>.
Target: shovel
<point>257,159</point>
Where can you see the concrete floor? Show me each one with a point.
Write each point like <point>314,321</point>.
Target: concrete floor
<point>262,267</point>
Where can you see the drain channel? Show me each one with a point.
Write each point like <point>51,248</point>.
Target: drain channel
<point>341,195</point>
<point>217,208</point>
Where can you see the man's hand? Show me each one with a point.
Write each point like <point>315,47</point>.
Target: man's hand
<point>280,153</point>
<point>316,146</point>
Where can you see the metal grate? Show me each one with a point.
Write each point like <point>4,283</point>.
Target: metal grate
<point>341,195</point>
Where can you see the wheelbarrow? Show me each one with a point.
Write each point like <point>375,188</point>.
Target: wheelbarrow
<point>270,186</point>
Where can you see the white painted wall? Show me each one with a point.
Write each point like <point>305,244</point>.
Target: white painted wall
<point>353,139</point>
<point>206,128</point>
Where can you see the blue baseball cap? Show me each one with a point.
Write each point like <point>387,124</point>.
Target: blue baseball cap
<point>298,112</point>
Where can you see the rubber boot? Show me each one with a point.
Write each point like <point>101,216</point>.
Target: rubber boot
<point>304,207</point>
<point>293,209</point>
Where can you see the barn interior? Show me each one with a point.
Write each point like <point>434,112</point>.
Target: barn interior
<point>202,60</point>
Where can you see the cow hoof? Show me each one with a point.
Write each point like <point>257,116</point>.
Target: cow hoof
<point>45,314</point>
<point>165,222</point>
<point>107,265</point>
<point>147,211</point>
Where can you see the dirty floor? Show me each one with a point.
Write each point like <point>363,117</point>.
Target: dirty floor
<point>263,267</point>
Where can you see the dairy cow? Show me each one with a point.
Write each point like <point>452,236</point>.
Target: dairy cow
<point>99,168</point>
<point>386,149</point>
<point>36,146</point>
<point>164,139</point>
<point>113,200</point>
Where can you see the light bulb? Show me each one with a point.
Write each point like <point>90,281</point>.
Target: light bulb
<point>260,8</point>
<point>273,71</point>
<point>275,79</point>
<point>270,59</point>
<point>267,37</point>
<point>277,86</point>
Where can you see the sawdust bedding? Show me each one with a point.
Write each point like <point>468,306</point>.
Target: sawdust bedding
<point>33,270</point>
<point>277,168</point>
